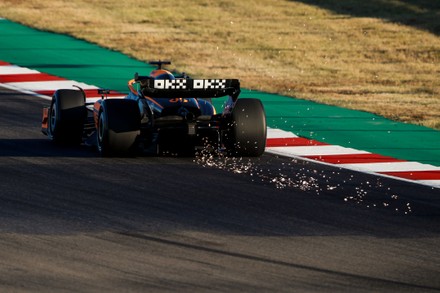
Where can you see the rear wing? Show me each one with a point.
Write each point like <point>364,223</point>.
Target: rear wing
<point>189,88</point>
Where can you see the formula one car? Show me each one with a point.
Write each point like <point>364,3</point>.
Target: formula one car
<point>162,112</point>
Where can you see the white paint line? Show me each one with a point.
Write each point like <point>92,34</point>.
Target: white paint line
<point>12,69</point>
<point>278,133</point>
<point>391,167</point>
<point>50,85</point>
<point>435,183</point>
<point>314,150</point>
<point>18,89</point>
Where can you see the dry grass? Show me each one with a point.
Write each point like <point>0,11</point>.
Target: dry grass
<point>345,57</point>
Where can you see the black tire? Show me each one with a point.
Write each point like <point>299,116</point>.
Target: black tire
<point>119,125</point>
<point>67,115</point>
<point>246,131</point>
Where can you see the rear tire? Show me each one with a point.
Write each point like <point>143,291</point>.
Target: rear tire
<point>246,133</point>
<point>67,115</point>
<point>118,127</point>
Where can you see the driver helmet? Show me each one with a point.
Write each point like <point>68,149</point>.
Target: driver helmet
<point>162,74</point>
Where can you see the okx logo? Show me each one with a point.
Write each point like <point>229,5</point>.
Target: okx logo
<point>170,84</point>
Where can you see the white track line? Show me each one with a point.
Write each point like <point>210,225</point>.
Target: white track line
<point>315,150</point>
<point>13,69</point>
<point>391,167</point>
<point>278,133</point>
<point>435,183</point>
<point>50,85</point>
<point>27,92</point>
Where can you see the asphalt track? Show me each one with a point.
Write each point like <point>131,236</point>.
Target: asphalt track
<point>72,221</point>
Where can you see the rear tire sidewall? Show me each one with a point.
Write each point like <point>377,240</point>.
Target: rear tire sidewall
<point>67,115</point>
<point>102,134</point>
<point>119,123</point>
<point>247,129</point>
<point>52,120</point>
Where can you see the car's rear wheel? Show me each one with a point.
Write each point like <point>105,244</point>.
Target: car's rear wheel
<point>67,115</point>
<point>246,130</point>
<point>119,125</point>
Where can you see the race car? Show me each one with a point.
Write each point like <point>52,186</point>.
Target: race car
<point>170,114</point>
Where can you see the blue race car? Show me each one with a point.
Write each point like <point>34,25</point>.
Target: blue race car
<point>163,112</point>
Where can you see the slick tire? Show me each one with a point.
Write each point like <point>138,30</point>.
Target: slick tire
<point>67,115</point>
<point>119,124</point>
<point>247,131</point>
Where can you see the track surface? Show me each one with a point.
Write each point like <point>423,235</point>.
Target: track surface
<point>72,221</point>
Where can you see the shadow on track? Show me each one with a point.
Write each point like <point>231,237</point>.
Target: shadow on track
<point>41,148</point>
<point>421,14</point>
<point>76,193</point>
